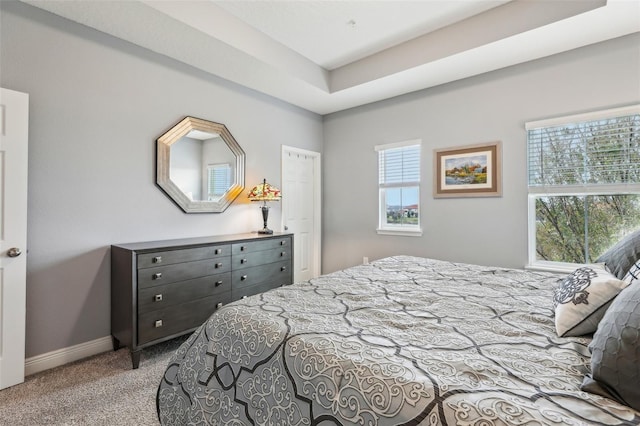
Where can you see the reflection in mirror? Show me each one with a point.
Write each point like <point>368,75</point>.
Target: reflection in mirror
<point>200,166</point>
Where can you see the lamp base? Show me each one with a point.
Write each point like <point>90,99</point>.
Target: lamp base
<point>265,216</point>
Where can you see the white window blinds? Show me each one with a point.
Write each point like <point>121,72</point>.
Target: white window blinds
<point>219,179</point>
<point>399,166</point>
<point>597,151</point>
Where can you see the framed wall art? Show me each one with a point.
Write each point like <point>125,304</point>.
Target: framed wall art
<point>468,171</point>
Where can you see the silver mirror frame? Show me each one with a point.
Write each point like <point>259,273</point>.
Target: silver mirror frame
<point>163,162</point>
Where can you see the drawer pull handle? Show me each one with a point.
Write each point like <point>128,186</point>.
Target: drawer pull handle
<point>218,283</point>
<point>218,251</point>
<point>242,278</point>
<point>218,265</point>
<point>219,305</point>
<point>283,242</point>
<point>157,298</point>
<point>243,261</point>
<point>157,259</point>
<point>283,268</point>
<point>157,275</point>
<point>244,297</point>
<point>158,324</point>
<point>242,248</point>
<point>283,253</point>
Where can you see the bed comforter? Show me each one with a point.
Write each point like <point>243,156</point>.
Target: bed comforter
<point>401,341</point>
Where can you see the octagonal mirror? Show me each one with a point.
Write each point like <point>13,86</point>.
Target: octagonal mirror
<point>200,166</point>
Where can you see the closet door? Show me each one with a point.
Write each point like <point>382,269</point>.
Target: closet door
<point>301,209</point>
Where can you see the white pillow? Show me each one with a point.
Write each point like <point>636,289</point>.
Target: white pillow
<point>582,299</point>
<point>633,274</point>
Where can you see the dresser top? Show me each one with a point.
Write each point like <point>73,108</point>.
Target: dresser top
<point>199,241</point>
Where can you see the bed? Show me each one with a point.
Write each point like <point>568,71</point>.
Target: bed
<point>401,341</point>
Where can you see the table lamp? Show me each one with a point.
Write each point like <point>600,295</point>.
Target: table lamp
<point>265,192</point>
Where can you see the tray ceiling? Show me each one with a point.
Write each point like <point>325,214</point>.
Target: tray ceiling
<point>327,56</point>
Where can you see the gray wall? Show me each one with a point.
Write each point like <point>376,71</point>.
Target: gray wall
<point>490,107</point>
<point>97,105</point>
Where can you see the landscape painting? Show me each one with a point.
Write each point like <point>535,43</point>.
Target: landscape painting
<point>471,171</point>
<point>466,169</point>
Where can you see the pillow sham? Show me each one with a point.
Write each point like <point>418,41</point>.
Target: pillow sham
<point>615,351</point>
<point>633,275</point>
<point>622,255</point>
<point>582,298</point>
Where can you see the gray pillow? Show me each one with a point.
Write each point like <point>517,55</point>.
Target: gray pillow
<point>622,255</point>
<point>615,351</point>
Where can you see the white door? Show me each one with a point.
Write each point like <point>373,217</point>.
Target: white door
<point>14,127</point>
<point>301,209</point>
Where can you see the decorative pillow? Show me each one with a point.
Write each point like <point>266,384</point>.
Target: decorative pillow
<point>622,255</point>
<point>582,298</point>
<point>615,351</point>
<point>633,276</point>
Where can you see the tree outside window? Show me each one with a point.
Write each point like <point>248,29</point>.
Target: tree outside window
<point>584,185</point>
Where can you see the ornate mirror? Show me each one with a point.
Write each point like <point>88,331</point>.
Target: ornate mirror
<point>200,166</point>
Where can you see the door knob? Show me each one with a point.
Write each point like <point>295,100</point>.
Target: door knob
<point>14,252</point>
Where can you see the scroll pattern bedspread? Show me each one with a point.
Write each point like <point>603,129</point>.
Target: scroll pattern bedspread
<point>401,341</point>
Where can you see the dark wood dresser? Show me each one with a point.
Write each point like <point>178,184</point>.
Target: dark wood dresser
<point>163,289</point>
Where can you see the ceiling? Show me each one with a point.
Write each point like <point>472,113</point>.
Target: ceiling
<point>336,33</point>
<point>326,56</point>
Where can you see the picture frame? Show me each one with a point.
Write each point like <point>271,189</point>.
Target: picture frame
<point>468,171</point>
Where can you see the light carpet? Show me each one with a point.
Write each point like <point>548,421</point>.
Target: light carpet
<point>100,390</point>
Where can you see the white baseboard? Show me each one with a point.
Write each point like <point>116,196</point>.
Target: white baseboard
<point>63,356</point>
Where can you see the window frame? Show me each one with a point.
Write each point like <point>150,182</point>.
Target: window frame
<point>385,228</point>
<point>578,190</point>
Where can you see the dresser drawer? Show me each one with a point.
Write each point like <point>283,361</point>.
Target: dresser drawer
<point>162,296</point>
<point>251,246</point>
<point>149,260</point>
<point>279,273</point>
<point>256,258</point>
<point>182,271</point>
<point>239,293</point>
<point>178,318</point>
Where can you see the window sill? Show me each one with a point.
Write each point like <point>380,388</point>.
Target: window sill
<point>398,232</point>
<point>557,267</point>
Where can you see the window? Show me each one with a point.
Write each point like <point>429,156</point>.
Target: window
<point>399,188</point>
<point>219,180</point>
<point>584,185</point>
